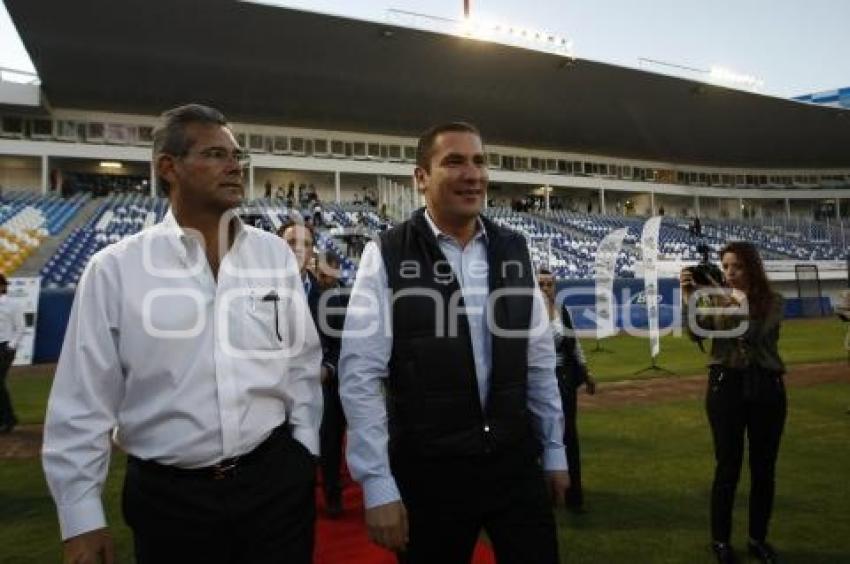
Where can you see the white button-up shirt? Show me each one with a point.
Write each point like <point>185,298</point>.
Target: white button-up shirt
<point>367,346</point>
<point>181,368</point>
<point>11,322</point>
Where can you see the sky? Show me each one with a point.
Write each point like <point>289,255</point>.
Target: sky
<point>794,47</point>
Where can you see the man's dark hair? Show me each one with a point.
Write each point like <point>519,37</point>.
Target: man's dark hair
<point>544,271</point>
<point>170,137</point>
<point>3,280</point>
<point>426,140</point>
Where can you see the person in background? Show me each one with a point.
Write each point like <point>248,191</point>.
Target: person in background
<point>189,345</point>
<point>11,331</point>
<point>333,418</point>
<point>746,392</point>
<point>325,303</point>
<point>571,369</point>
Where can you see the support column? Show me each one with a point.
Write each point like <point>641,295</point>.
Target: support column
<point>45,181</point>
<point>837,208</point>
<point>250,181</point>
<point>546,190</point>
<point>787,208</point>
<point>696,206</point>
<point>740,208</point>
<point>154,183</point>
<point>652,203</point>
<point>338,187</point>
<point>602,200</point>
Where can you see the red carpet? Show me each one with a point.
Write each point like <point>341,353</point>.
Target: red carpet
<point>344,540</point>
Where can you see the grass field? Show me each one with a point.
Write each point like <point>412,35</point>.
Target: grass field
<point>802,340</point>
<point>647,470</point>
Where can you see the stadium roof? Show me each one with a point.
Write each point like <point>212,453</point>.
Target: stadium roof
<point>272,65</point>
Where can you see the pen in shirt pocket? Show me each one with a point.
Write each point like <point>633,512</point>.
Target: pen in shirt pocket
<point>274,298</point>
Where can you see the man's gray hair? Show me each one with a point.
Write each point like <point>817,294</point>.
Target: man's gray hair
<point>170,137</point>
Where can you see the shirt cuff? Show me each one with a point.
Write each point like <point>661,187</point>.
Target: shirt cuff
<point>379,491</point>
<point>554,459</point>
<point>82,517</point>
<point>307,437</point>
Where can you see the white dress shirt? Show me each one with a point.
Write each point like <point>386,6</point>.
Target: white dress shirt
<point>367,345</point>
<point>11,322</point>
<point>182,369</point>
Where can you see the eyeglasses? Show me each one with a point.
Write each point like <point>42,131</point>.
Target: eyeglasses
<point>223,156</point>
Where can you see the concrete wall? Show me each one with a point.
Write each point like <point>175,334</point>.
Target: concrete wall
<point>20,173</point>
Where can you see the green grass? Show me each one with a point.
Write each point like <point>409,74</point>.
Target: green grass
<point>801,341</point>
<point>647,469</point>
<point>647,473</point>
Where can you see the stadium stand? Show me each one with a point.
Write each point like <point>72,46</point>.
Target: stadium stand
<point>117,217</point>
<point>27,219</point>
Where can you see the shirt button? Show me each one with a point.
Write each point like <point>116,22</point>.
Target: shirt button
<point>486,428</point>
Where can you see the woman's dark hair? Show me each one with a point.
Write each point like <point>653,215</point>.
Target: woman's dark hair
<point>759,294</point>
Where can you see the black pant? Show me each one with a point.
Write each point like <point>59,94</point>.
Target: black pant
<point>263,513</point>
<point>449,501</point>
<point>569,400</point>
<point>737,402</point>
<point>7,413</point>
<point>331,433</point>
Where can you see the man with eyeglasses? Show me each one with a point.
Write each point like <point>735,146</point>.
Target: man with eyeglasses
<point>190,345</point>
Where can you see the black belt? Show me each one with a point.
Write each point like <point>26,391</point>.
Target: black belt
<point>224,469</point>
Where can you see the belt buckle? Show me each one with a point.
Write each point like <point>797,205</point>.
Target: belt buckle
<point>225,469</point>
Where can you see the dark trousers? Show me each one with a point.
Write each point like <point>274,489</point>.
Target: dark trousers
<point>331,433</point>
<point>263,513</point>
<point>7,413</point>
<point>569,400</point>
<point>449,502</point>
<point>754,404</point>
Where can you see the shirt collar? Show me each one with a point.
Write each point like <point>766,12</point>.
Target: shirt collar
<point>183,241</point>
<point>480,231</point>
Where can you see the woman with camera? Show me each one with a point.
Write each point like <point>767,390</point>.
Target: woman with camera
<point>571,370</point>
<point>746,393</point>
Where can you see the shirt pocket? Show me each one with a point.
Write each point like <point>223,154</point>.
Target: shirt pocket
<point>256,324</point>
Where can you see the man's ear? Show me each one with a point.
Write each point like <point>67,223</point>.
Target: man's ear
<point>165,168</point>
<point>422,178</point>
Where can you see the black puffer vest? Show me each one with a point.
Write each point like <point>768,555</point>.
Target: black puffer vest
<point>432,393</point>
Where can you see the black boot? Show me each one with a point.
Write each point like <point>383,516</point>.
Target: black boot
<point>763,552</point>
<point>723,552</point>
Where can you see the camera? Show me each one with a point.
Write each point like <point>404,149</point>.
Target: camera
<point>706,273</point>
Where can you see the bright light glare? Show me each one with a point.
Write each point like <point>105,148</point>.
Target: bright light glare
<point>725,76</point>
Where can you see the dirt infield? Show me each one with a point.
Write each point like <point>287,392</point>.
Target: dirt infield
<point>655,390</point>
<point>25,440</point>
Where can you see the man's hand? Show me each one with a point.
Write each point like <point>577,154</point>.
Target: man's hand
<point>590,385</point>
<point>387,525</point>
<point>93,547</point>
<point>558,482</point>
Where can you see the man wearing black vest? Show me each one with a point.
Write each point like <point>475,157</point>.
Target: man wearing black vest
<point>447,376</point>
